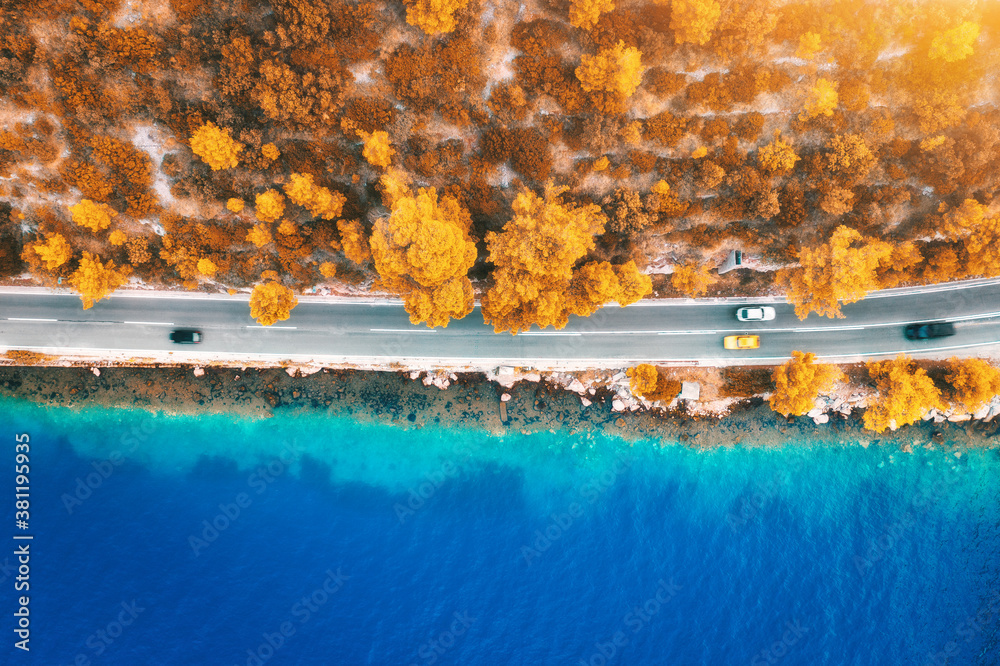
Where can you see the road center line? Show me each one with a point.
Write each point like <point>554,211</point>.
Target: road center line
<point>150,323</point>
<point>284,328</point>
<point>402,330</point>
<point>29,319</point>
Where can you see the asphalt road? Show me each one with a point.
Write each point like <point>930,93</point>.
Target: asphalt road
<point>362,332</point>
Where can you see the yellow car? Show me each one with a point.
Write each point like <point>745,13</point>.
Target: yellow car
<point>741,342</point>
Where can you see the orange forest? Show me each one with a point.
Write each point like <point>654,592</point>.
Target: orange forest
<point>545,158</point>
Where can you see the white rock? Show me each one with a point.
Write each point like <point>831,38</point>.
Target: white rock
<point>939,418</point>
<point>982,412</point>
<point>592,391</point>
<point>618,376</point>
<point>199,372</point>
<point>291,371</point>
<point>576,386</point>
<point>958,418</point>
<point>505,397</point>
<point>821,419</point>
<point>414,374</point>
<point>428,380</point>
<point>814,412</point>
<point>533,377</point>
<point>585,402</point>
<point>453,377</point>
<point>617,406</point>
<point>96,371</point>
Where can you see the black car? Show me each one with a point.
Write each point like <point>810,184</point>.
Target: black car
<point>938,329</point>
<point>185,336</point>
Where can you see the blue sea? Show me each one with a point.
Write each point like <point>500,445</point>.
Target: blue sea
<point>305,539</point>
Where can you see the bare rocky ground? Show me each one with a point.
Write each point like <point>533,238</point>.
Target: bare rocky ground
<point>470,401</point>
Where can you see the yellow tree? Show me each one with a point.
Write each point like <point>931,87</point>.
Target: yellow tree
<point>849,157</point>
<point>809,44</point>
<point>648,382</point>
<point>821,100</point>
<point>259,235</point>
<point>270,206</point>
<point>905,394</point>
<point>216,147</point>
<point>841,271</point>
<point>377,150</point>
<point>53,253</point>
<point>974,382</point>
<point>94,280</point>
<point>423,252</point>
<point>693,280</point>
<point>91,215</point>
<point>611,76</point>
<point>956,43</point>
<point>271,302</point>
<point>353,241</point>
<point>584,14</point>
<point>536,281</point>
<point>777,157</point>
<point>321,201</point>
<point>693,20</point>
<point>799,381</point>
<point>433,16</point>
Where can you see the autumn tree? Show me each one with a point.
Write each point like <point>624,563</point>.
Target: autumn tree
<point>270,205</point>
<point>777,157</point>
<point>955,43</point>
<point>377,149</point>
<point>799,381</point>
<point>433,16</point>
<point>611,76</point>
<point>841,271</point>
<point>693,280</point>
<point>809,44</point>
<point>584,14</point>
<point>91,215</point>
<point>51,253</point>
<point>647,381</point>
<point>693,20</point>
<point>821,100</point>
<point>905,394</point>
<point>95,280</point>
<point>974,382</point>
<point>216,147</point>
<point>353,241</point>
<point>423,252</point>
<point>849,157</point>
<point>534,281</point>
<point>271,302</point>
<point>320,201</point>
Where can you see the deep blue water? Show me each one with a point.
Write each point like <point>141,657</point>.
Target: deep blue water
<point>361,544</point>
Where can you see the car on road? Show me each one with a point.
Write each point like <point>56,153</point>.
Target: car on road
<point>755,313</point>
<point>741,342</point>
<point>185,336</point>
<point>934,329</point>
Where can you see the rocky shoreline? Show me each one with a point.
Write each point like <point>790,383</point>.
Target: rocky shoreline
<point>465,400</point>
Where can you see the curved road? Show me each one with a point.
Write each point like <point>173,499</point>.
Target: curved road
<point>367,333</point>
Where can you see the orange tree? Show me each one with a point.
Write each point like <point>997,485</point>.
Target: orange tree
<point>645,380</point>
<point>905,394</point>
<point>271,302</point>
<point>974,382</point>
<point>799,381</point>
<point>94,280</point>
<point>535,279</point>
<point>841,271</point>
<point>423,252</point>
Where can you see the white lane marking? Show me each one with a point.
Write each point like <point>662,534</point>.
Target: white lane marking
<point>285,328</point>
<point>826,328</point>
<point>544,333</point>
<point>689,332</point>
<point>403,330</point>
<point>28,319</point>
<point>150,323</point>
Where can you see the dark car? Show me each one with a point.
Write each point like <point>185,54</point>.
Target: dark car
<point>938,329</point>
<point>185,336</point>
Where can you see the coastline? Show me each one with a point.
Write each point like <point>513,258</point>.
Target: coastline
<point>470,401</point>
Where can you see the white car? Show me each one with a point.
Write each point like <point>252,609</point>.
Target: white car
<point>755,313</point>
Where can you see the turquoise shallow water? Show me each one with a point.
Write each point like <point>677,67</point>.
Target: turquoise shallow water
<point>304,539</point>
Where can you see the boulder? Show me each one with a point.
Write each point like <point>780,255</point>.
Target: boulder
<point>199,372</point>
<point>585,402</point>
<point>814,412</point>
<point>821,419</point>
<point>959,418</point>
<point>533,377</point>
<point>617,405</point>
<point>576,386</point>
<point>505,397</point>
